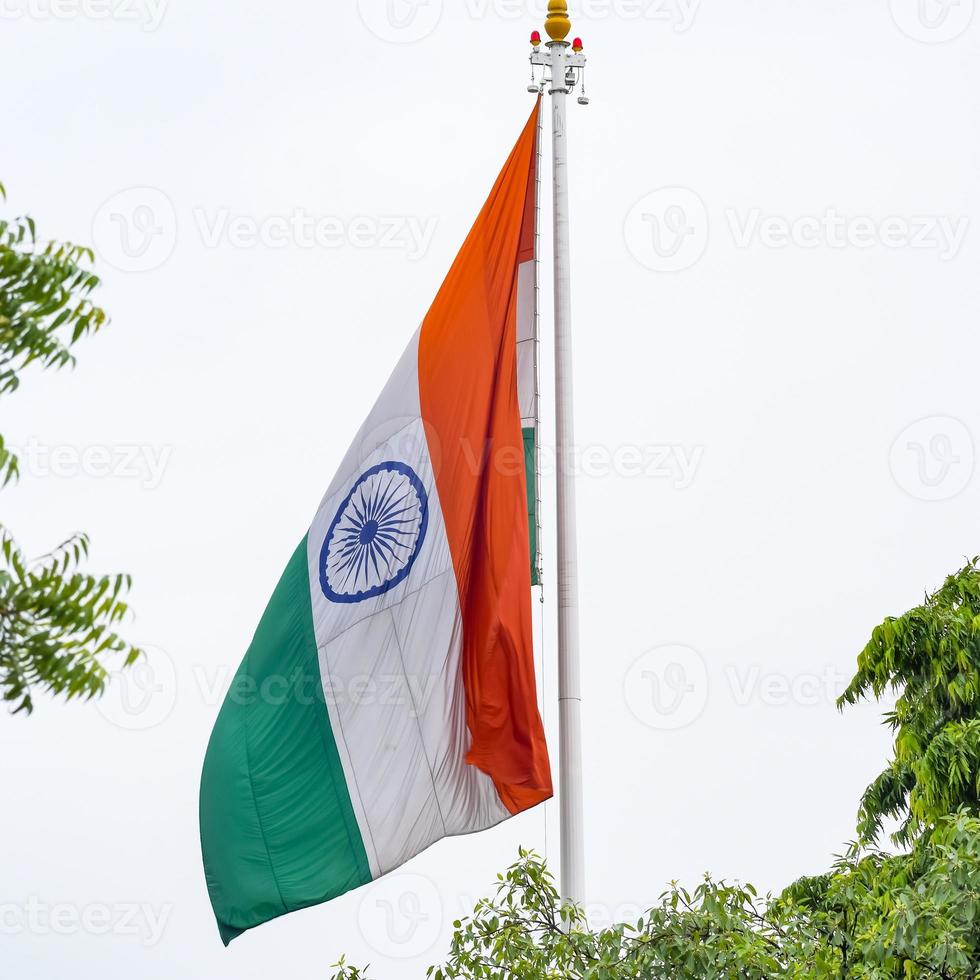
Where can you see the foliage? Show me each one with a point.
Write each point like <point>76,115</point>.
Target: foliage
<point>931,655</point>
<point>526,932</point>
<point>874,916</point>
<point>44,307</point>
<point>906,915</point>
<point>55,620</point>
<point>880,916</point>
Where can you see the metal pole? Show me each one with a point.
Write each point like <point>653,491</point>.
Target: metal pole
<point>563,63</point>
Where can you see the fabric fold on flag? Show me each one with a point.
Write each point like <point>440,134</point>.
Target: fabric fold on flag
<point>387,699</point>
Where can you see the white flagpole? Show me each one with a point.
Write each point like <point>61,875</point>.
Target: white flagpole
<point>566,63</point>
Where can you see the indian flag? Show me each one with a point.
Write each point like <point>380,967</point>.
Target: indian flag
<point>387,699</point>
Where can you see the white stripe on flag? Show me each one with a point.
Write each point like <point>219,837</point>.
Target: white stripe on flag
<point>390,665</point>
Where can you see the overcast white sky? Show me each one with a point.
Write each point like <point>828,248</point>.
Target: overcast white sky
<point>775,312</point>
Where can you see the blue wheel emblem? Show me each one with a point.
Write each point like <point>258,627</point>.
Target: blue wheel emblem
<point>376,535</point>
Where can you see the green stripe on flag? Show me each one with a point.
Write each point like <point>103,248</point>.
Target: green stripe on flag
<point>531,470</point>
<point>278,831</point>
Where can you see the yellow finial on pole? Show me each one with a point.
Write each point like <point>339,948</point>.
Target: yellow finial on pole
<point>557,23</point>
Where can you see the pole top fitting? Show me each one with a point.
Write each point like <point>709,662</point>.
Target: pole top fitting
<point>557,23</point>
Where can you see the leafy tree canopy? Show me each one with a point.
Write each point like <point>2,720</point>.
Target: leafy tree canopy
<point>931,657</point>
<point>56,621</point>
